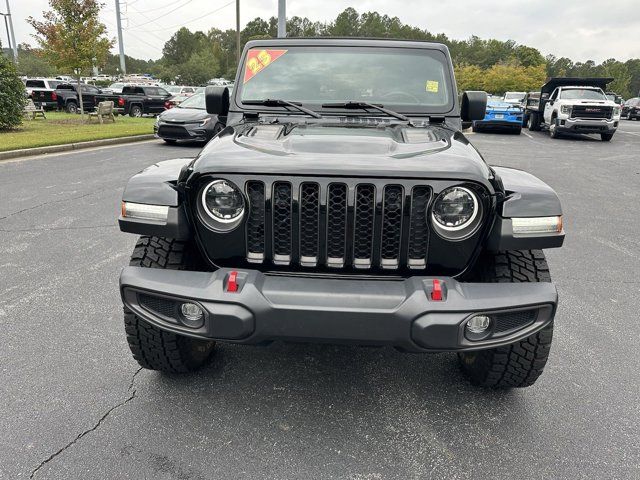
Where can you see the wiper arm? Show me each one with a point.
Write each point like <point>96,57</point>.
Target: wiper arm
<point>366,105</point>
<point>270,102</point>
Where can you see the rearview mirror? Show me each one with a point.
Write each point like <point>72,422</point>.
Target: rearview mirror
<point>474,106</point>
<point>217,100</point>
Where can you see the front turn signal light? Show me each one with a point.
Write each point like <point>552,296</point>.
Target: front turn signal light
<point>536,225</point>
<point>141,211</point>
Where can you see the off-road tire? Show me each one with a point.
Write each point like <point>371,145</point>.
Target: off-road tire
<point>152,347</point>
<point>606,137</point>
<point>521,363</point>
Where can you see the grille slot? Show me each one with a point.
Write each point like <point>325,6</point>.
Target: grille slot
<point>282,208</point>
<point>419,229</point>
<point>365,210</point>
<point>391,226</point>
<point>336,224</point>
<point>309,224</point>
<point>255,222</point>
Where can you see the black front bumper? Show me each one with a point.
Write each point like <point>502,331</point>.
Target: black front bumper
<point>400,313</point>
<point>188,132</point>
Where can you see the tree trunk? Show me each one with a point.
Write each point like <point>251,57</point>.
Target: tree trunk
<point>80,99</point>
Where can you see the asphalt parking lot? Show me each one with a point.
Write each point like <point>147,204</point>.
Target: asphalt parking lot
<point>75,405</point>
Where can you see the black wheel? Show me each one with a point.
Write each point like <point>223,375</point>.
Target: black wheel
<point>534,122</point>
<point>136,111</point>
<point>170,142</point>
<point>157,349</point>
<point>72,107</point>
<point>606,137</point>
<point>521,363</point>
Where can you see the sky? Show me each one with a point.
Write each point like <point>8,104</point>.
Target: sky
<point>579,29</point>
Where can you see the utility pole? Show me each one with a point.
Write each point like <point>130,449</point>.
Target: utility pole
<point>238,31</point>
<point>13,37</point>
<point>282,18</point>
<point>123,66</point>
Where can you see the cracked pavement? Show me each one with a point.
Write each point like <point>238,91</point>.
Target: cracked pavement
<point>76,405</point>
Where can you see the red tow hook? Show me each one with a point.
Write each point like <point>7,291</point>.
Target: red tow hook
<point>232,282</point>
<point>436,292</point>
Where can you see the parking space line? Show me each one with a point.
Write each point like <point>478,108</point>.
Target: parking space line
<point>629,133</point>
<point>527,134</point>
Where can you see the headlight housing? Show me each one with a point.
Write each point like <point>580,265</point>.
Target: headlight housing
<point>616,111</point>
<point>566,109</point>
<point>456,213</point>
<point>222,205</point>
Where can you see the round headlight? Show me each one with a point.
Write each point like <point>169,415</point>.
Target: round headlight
<point>455,213</point>
<point>223,202</point>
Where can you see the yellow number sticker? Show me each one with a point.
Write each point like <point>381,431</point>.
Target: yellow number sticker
<point>433,86</point>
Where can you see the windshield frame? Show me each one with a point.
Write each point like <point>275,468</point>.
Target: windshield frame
<point>450,109</point>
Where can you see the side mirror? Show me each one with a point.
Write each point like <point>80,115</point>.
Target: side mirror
<point>474,106</point>
<point>217,100</point>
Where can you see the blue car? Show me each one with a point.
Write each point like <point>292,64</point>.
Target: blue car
<point>500,116</point>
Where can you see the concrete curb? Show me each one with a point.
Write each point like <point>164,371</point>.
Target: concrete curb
<point>28,152</point>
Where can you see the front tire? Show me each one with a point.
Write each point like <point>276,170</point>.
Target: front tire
<point>157,349</point>
<point>521,363</point>
<point>72,107</point>
<point>553,128</point>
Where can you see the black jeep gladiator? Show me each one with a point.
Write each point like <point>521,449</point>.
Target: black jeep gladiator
<point>342,204</point>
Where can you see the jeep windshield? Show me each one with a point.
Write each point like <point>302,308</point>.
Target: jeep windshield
<point>407,80</point>
<point>582,94</point>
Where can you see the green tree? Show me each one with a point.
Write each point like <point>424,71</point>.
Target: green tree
<point>72,38</point>
<point>621,75</point>
<point>12,95</point>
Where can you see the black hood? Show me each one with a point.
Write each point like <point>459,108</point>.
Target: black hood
<point>342,149</point>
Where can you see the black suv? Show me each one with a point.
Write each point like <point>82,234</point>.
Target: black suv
<point>341,203</point>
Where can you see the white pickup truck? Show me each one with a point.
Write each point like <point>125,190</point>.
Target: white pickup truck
<point>574,105</point>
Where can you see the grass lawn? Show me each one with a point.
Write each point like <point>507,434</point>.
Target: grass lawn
<point>60,128</point>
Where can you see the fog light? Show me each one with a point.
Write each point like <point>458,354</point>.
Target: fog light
<point>192,313</point>
<point>478,325</point>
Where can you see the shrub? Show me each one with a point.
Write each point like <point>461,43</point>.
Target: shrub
<point>12,95</point>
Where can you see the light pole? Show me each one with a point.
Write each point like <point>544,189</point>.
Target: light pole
<point>238,31</point>
<point>282,18</point>
<point>123,65</point>
<point>13,37</point>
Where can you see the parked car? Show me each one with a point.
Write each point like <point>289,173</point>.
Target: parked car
<point>631,108</point>
<point>188,121</point>
<point>180,90</point>
<point>500,116</point>
<point>68,100</point>
<point>515,98</point>
<point>175,100</point>
<point>352,213</point>
<point>138,100</point>
<point>575,105</point>
<point>43,92</point>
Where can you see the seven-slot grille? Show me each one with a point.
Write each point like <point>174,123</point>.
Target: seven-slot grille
<point>337,225</point>
<point>585,111</point>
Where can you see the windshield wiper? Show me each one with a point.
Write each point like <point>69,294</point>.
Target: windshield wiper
<point>270,102</point>
<point>365,106</point>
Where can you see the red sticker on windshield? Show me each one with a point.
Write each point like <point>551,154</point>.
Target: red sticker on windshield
<point>258,60</point>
